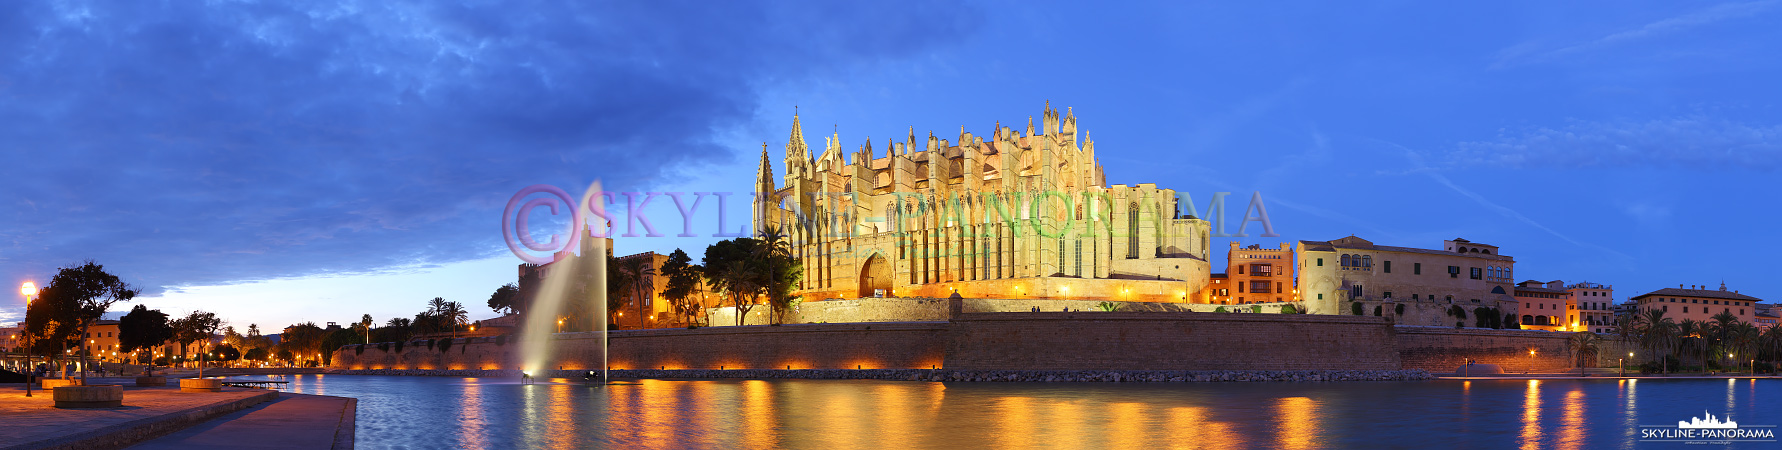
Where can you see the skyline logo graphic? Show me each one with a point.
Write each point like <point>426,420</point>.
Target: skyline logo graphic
<point>1709,422</point>
<point>1708,429</point>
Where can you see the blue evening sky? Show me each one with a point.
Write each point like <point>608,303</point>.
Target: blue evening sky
<point>276,163</point>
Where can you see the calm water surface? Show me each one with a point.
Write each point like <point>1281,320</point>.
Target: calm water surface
<point>439,412</point>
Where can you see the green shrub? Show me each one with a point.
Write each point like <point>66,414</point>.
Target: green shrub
<point>1107,306</point>
<point>399,346</point>
<point>1219,309</point>
<point>163,361</point>
<point>1510,322</point>
<point>1256,309</point>
<point>385,346</point>
<point>1458,325</point>
<point>1289,309</point>
<point>1648,368</point>
<point>1399,309</point>
<point>359,349</point>
<point>1355,308</point>
<point>430,343</point>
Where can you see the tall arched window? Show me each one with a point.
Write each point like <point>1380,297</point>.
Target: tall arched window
<point>1132,238</point>
<point>1367,261</point>
<point>1345,260</point>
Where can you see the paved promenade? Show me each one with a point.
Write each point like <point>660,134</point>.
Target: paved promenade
<point>293,421</point>
<point>35,423</point>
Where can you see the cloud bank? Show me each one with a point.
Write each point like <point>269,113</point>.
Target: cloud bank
<point>192,143</point>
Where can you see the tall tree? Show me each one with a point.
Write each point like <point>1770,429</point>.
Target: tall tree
<point>1658,335</point>
<point>143,328</point>
<point>83,293</point>
<point>639,275</point>
<point>453,315</point>
<point>505,298</point>
<point>198,326</point>
<point>364,327</point>
<point>683,278</point>
<point>302,340</point>
<point>774,253</point>
<point>729,267</point>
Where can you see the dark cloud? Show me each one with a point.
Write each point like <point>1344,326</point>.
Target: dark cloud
<point>215,142</point>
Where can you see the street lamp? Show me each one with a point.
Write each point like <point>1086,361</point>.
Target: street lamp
<point>29,290</point>
<point>560,324</point>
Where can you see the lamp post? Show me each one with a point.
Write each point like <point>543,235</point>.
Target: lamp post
<point>29,289</point>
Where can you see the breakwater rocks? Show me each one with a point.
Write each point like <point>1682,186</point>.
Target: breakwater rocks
<point>1127,376</point>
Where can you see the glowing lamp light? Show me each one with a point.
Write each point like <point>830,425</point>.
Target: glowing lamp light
<point>28,289</point>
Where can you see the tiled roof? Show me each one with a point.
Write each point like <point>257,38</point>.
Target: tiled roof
<point>1541,289</point>
<point>1327,246</point>
<point>1700,293</point>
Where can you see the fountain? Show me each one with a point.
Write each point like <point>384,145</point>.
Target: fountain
<point>557,287</point>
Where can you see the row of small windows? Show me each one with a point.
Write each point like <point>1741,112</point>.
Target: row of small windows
<point>1539,320</point>
<point>1696,300</point>
<point>1357,291</point>
<point>1260,287</point>
<point>1741,311</point>
<point>1356,262</point>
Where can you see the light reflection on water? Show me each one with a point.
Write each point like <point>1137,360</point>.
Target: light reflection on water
<point>440,412</point>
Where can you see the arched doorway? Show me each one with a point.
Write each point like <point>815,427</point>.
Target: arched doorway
<point>875,275</point>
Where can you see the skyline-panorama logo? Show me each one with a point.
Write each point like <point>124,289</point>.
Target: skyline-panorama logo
<point>1707,429</point>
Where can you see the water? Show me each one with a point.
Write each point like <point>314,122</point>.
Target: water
<point>440,412</point>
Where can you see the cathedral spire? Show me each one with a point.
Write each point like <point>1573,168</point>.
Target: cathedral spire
<point>798,154</point>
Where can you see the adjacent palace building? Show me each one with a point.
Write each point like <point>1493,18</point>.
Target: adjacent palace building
<point>1015,214</point>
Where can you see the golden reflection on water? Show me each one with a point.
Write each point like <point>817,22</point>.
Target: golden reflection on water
<point>1014,422</point>
<point>656,413</point>
<point>1572,430</point>
<point>1129,428</point>
<point>891,412</point>
<point>761,415</point>
<point>561,430</point>
<point>1531,416</point>
<point>470,418</point>
<point>1299,428</point>
<point>1190,427</point>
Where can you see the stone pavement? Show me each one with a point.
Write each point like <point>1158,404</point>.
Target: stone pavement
<point>293,421</point>
<point>35,423</point>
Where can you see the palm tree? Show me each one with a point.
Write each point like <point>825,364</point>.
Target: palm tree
<point>1724,325</point>
<point>365,327</point>
<point>1689,335</point>
<point>741,280</point>
<point>1744,339</point>
<point>1583,343</point>
<point>1770,344</point>
<point>640,276</point>
<point>775,253</point>
<point>1657,335</point>
<point>452,314</point>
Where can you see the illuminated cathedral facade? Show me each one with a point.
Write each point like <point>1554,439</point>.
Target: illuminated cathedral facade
<point>1015,214</point>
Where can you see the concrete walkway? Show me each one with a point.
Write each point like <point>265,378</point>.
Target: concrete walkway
<point>32,422</point>
<point>293,421</point>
